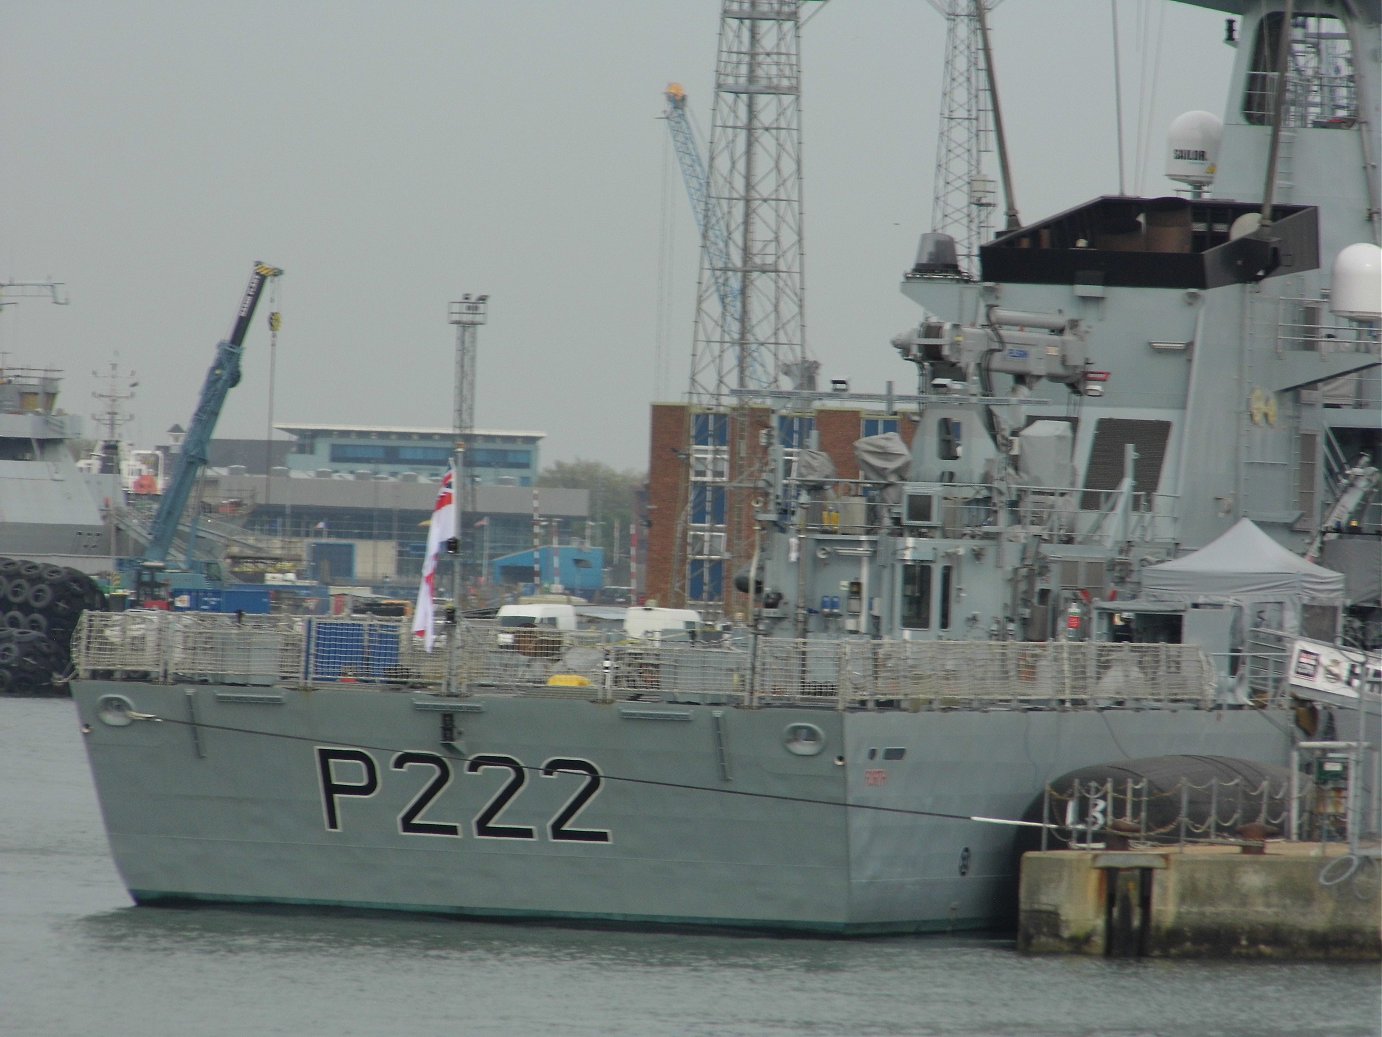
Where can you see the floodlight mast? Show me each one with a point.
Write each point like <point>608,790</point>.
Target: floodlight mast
<point>467,314</point>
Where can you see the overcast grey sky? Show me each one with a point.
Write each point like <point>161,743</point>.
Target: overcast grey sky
<point>391,157</point>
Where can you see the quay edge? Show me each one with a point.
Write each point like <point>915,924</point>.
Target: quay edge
<point>1295,901</point>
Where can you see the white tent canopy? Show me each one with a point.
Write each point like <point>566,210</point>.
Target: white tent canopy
<point>1246,567</point>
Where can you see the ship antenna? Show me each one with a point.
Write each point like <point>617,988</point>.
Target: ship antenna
<point>1365,137</point>
<point>1283,52</point>
<point>1013,223</point>
<point>1118,96</point>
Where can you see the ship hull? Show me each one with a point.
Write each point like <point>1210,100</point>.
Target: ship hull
<point>660,813</point>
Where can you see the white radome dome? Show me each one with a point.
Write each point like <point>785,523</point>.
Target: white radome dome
<point>1192,147</point>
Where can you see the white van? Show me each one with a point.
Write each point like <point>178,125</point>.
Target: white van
<point>533,615</point>
<point>649,623</point>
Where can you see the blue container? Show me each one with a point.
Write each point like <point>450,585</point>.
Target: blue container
<point>253,601</point>
<point>342,650</point>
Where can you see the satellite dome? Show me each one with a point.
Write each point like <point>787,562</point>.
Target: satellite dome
<point>1357,291</point>
<point>1193,147</point>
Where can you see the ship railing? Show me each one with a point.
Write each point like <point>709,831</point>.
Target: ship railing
<point>1307,323</point>
<point>478,657</point>
<point>1011,674</point>
<point>123,645</point>
<point>1262,663</point>
<point>1114,516</point>
<point>167,647</point>
<point>983,510</point>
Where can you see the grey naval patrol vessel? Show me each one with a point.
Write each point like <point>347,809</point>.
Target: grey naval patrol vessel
<point>1164,406</point>
<point>50,510</point>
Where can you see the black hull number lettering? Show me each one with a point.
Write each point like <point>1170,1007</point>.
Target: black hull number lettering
<point>485,828</point>
<point>408,822</point>
<point>334,788</point>
<point>557,827</point>
<point>345,773</point>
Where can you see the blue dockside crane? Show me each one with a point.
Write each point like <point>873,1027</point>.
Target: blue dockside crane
<point>224,375</point>
<point>709,220</point>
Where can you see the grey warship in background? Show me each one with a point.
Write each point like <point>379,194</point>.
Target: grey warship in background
<point>1163,406</point>
<point>50,510</point>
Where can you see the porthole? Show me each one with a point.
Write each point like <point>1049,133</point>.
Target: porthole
<point>114,710</point>
<point>803,739</point>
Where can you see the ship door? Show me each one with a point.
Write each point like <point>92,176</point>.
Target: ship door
<point>1217,629</point>
<point>928,592</point>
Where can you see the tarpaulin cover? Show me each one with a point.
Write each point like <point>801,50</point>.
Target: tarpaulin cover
<point>814,466</point>
<point>883,458</point>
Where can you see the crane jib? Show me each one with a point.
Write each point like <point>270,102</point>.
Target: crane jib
<point>223,375</point>
<point>262,273</point>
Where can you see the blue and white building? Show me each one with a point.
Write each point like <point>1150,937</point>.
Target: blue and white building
<point>494,457</point>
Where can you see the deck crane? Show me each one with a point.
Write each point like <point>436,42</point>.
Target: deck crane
<point>709,219</point>
<point>223,376</point>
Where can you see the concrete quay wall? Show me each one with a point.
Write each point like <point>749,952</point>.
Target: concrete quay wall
<point>1294,901</point>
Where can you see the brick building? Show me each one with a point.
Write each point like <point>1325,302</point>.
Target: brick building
<point>706,468</point>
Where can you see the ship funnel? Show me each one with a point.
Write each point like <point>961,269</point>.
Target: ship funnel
<point>1357,291</point>
<point>1192,148</point>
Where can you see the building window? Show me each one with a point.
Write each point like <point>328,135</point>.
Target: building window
<point>388,453</point>
<point>878,426</point>
<point>710,429</point>
<point>421,455</point>
<point>357,453</point>
<point>706,544</point>
<point>794,430</point>
<point>709,464</point>
<point>489,457</point>
<point>705,579</point>
<point>708,505</point>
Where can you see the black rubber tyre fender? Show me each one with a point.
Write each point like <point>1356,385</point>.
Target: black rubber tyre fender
<point>33,645</point>
<point>41,596</point>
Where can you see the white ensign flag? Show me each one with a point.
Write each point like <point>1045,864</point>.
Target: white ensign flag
<point>442,529</point>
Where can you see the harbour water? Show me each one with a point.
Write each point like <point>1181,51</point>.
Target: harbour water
<point>77,958</point>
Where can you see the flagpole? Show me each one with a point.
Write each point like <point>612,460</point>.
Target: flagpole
<point>454,616</point>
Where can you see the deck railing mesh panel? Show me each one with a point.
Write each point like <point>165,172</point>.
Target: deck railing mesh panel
<point>199,647</point>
